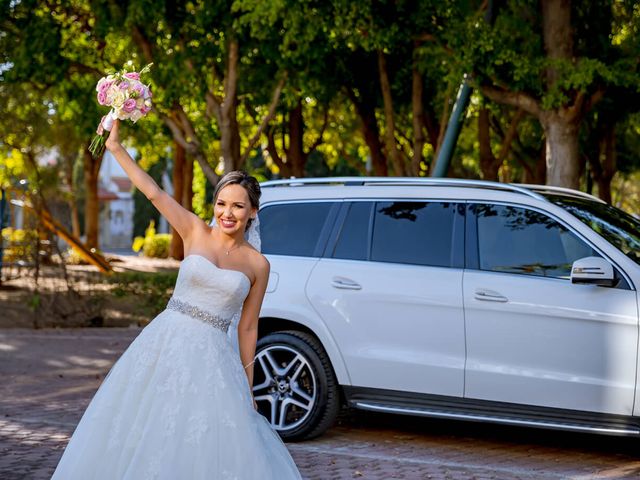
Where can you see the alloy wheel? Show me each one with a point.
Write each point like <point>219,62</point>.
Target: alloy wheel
<point>285,387</point>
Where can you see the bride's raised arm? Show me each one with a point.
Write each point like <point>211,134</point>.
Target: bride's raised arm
<point>179,217</point>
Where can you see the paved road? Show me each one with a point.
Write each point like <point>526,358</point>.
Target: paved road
<point>47,378</point>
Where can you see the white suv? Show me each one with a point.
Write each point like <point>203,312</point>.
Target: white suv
<point>447,298</point>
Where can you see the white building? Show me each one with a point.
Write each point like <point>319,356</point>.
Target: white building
<point>115,193</point>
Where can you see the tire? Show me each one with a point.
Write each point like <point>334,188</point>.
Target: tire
<point>294,385</point>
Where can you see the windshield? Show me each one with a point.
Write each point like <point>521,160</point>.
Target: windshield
<point>614,225</point>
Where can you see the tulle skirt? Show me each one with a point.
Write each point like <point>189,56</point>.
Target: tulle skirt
<point>175,406</point>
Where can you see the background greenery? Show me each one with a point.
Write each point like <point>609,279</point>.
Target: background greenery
<point>314,87</point>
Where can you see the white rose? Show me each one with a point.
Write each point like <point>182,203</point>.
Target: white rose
<point>121,114</point>
<point>116,96</point>
<point>135,116</point>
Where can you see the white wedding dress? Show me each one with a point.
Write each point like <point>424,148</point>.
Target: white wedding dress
<point>177,404</point>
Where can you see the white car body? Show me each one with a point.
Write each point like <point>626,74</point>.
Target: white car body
<point>463,342</point>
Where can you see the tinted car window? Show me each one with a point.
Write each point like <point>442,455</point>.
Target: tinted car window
<point>614,225</point>
<point>292,229</point>
<point>353,241</point>
<point>518,240</point>
<point>413,232</point>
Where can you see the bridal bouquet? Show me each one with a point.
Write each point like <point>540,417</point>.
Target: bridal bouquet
<point>128,98</point>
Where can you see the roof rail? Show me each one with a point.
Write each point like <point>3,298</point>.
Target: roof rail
<point>441,182</point>
<point>568,191</point>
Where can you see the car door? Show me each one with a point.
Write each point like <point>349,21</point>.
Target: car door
<point>390,291</point>
<point>532,336</point>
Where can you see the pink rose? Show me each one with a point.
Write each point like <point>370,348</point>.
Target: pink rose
<point>123,85</point>
<point>139,89</point>
<point>104,86</point>
<point>132,75</point>
<point>102,97</point>
<point>129,105</point>
<point>144,110</point>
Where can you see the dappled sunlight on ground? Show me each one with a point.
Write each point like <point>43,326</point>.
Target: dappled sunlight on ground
<point>48,377</point>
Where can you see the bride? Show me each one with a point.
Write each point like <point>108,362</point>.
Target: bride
<point>177,405</point>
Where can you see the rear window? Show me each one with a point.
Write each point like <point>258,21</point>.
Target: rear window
<point>293,229</point>
<point>414,232</point>
<point>353,241</point>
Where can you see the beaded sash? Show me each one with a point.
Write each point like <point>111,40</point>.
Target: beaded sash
<point>199,314</point>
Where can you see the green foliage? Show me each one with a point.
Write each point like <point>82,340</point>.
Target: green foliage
<point>510,53</point>
<point>157,246</point>
<point>202,202</point>
<point>154,245</point>
<point>152,290</point>
<point>52,54</point>
<point>19,245</point>
<point>143,210</point>
<point>73,257</point>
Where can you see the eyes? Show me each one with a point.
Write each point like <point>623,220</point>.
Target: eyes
<point>221,203</point>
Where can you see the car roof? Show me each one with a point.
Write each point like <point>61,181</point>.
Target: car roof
<point>369,187</point>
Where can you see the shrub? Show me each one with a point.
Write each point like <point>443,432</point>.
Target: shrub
<point>155,245</point>
<point>19,244</point>
<point>74,257</point>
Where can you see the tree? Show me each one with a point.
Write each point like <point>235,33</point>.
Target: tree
<point>554,61</point>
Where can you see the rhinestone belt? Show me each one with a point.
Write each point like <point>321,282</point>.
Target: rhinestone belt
<point>199,314</point>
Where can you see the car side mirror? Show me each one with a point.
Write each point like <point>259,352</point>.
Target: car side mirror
<point>593,271</point>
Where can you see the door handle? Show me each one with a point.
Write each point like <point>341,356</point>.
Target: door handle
<point>345,283</point>
<point>489,296</point>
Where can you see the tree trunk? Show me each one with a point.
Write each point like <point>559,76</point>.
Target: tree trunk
<point>557,34</point>
<point>561,126</point>
<point>296,157</point>
<point>75,217</point>
<point>433,128</point>
<point>371,134</point>
<point>275,156</point>
<point>229,140</point>
<point>397,162</point>
<point>605,167</point>
<point>71,199</point>
<point>561,136</point>
<point>229,131</point>
<point>176,249</point>
<point>418,120</point>
<point>92,204</point>
<point>235,139</point>
<point>488,163</point>
<point>541,167</point>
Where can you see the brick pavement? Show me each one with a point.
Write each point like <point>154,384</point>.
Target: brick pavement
<point>48,377</point>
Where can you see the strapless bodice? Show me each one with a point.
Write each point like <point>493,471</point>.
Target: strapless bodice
<point>210,289</point>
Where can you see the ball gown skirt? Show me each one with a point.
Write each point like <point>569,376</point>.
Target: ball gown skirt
<point>177,405</point>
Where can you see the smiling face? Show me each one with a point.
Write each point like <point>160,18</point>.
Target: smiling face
<point>232,209</point>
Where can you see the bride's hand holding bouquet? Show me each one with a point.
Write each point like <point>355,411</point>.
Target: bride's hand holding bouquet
<point>113,140</point>
<point>128,98</point>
